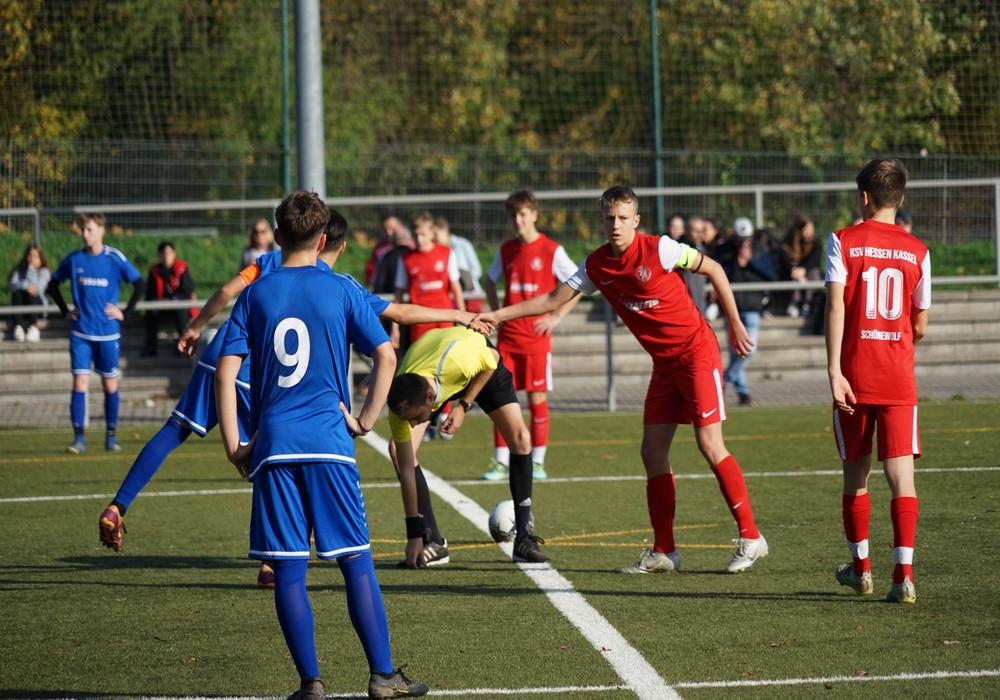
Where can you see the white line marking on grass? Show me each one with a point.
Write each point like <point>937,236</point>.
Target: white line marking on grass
<point>930,675</point>
<point>637,673</point>
<point>481,482</point>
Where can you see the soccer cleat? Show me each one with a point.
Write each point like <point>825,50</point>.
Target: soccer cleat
<point>265,577</point>
<point>747,552</point>
<point>78,447</point>
<point>311,689</point>
<point>653,562</point>
<point>111,528</point>
<point>862,584</point>
<point>745,400</point>
<point>526,549</point>
<point>394,685</point>
<point>902,592</point>
<point>111,445</point>
<point>497,471</point>
<point>434,554</point>
<point>538,471</point>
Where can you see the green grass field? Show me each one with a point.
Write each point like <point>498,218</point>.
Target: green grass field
<point>178,612</point>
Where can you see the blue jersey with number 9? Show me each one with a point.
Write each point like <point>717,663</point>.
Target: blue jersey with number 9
<point>297,324</point>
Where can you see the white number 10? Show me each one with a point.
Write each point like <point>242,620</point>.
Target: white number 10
<point>883,293</point>
<point>299,360</point>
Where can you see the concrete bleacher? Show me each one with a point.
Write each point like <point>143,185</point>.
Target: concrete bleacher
<point>960,357</point>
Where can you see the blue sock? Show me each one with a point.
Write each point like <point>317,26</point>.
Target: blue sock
<point>364,604</point>
<point>291,601</point>
<point>78,409</point>
<point>111,402</point>
<point>150,459</point>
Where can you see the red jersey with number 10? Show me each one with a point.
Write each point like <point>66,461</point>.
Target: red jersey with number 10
<point>886,273</point>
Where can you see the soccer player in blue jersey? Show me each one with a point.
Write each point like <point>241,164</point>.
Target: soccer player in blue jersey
<point>297,324</point>
<point>95,273</point>
<point>196,412</point>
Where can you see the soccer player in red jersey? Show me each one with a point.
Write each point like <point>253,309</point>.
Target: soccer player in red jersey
<point>429,274</point>
<point>637,274</point>
<point>532,264</point>
<point>878,280</point>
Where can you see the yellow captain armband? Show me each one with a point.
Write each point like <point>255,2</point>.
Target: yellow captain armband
<point>689,257</point>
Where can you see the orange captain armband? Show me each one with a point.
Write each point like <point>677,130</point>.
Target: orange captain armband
<point>251,273</point>
<point>689,256</point>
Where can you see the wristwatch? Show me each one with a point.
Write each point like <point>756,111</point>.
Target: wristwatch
<point>466,405</point>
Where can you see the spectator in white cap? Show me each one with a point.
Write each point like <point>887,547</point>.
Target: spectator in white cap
<point>748,261</point>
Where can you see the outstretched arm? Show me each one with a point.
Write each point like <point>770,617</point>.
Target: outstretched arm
<point>188,342</point>
<point>408,314</point>
<point>543,304</point>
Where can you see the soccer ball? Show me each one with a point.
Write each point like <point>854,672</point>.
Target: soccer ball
<point>502,521</point>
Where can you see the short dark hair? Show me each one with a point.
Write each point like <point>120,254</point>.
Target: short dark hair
<point>164,245</point>
<point>520,199</point>
<point>300,217</point>
<point>884,179</point>
<point>336,229</point>
<point>407,390</point>
<point>620,194</point>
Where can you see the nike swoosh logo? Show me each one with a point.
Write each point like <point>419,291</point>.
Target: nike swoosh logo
<point>706,414</point>
<point>538,383</point>
<point>606,281</point>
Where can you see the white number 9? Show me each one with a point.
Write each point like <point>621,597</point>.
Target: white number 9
<point>299,360</point>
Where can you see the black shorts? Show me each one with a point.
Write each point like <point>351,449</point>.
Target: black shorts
<point>498,392</point>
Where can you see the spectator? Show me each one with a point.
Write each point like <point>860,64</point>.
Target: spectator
<point>392,235</point>
<point>904,219</point>
<point>676,225</point>
<point>799,261</point>
<point>750,262</point>
<point>694,236</point>
<point>260,240</point>
<point>169,279</point>
<point>96,273</point>
<point>470,270</point>
<point>28,281</point>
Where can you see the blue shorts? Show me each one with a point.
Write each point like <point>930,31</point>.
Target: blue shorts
<point>293,500</point>
<point>196,407</point>
<point>103,354</point>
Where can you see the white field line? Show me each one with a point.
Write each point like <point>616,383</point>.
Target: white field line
<point>481,482</point>
<point>636,673</point>
<point>760,683</point>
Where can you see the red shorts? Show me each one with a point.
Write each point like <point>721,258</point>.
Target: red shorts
<point>898,434</point>
<point>530,372</point>
<point>689,392</point>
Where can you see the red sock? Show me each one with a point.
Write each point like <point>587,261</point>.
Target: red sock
<point>734,490</point>
<point>539,424</point>
<point>661,499</point>
<point>856,512</point>
<point>904,533</point>
<point>498,440</point>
